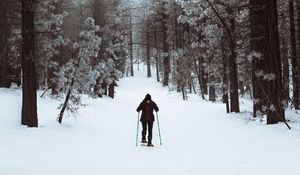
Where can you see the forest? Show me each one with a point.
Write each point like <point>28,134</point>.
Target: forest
<point>220,50</point>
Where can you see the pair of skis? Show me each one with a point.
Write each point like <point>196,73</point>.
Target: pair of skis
<point>137,132</point>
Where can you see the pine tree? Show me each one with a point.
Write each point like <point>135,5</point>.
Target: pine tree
<point>295,70</point>
<point>265,43</point>
<point>4,37</point>
<point>29,104</point>
<point>80,71</point>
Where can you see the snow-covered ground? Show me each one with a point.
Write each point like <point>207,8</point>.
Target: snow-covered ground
<point>198,137</point>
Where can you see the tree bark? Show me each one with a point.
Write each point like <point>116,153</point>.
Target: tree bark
<point>148,59</point>
<point>257,45</point>
<point>197,70</point>
<point>272,55</point>
<point>224,78</point>
<point>204,76</point>
<point>212,89</point>
<point>29,101</point>
<point>285,73</point>
<point>156,54</point>
<point>166,57</point>
<point>104,88</point>
<point>265,40</point>
<point>234,96</point>
<point>4,35</point>
<point>111,89</point>
<point>131,47</point>
<point>99,12</point>
<point>64,107</point>
<point>298,58</point>
<point>242,88</point>
<point>295,70</point>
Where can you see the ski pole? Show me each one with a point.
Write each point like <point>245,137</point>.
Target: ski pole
<point>137,130</point>
<point>158,129</point>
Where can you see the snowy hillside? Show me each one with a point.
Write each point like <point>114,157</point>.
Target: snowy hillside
<point>198,138</point>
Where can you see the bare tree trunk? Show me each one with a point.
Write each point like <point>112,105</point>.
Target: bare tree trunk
<point>242,88</point>
<point>197,70</point>
<point>298,19</point>
<point>4,35</point>
<point>166,57</point>
<point>104,88</point>
<point>179,82</point>
<point>272,54</point>
<point>212,89</point>
<point>111,89</point>
<point>204,76</point>
<point>4,68</point>
<point>265,40</point>
<point>234,96</point>
<point>225,79</point>
<point>285,74</point>
<point>183,92</point>
<point>63,109</point>
<point>131,47</point>
<point>295,69</point>
<point>51,84</point>
<point>29,101</point>
<point>99,13</point>
<point>148,59</point>
<point>298,58</point>
<point>156,54</point>
<point>257,30</point>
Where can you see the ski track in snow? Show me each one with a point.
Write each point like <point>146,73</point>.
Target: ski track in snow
<point>198,138</point>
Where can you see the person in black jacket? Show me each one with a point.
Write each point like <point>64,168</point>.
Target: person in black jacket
<point>147,106</point>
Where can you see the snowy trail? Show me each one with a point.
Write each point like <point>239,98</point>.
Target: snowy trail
<point>198,138</point>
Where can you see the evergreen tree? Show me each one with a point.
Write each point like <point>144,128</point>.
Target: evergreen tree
<point>29,103</point>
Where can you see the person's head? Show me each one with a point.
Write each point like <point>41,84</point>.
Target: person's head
<point>148,98</point>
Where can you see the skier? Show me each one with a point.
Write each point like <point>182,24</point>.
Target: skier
<point>147,118</point>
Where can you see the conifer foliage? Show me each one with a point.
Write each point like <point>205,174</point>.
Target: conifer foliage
<point>221,50</point>
<point>63,49</point>
<point>213,46</point>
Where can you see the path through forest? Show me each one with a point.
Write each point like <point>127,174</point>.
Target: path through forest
<point>198,138</point>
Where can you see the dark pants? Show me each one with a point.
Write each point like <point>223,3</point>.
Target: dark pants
<point>144,131</point>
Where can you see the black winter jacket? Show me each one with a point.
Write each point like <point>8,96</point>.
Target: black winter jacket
<point>153,106</point>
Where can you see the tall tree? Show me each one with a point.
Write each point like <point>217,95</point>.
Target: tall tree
<point>265,44</point>
<point>165,55</point>
<point>29,103</point>
<point>233,77</point>
<point>148,57</point>
<point>257,45</point>
<point>298,58</point>
<point>271,54</point>
<point>4,36</point>
<point>131,44</point>
<point>295,70</point>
